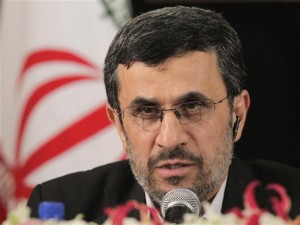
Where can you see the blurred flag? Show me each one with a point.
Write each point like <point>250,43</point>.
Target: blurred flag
<point>53,118</point>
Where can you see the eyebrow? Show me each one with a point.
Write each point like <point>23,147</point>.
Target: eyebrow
<point>141,101</point>
<point>188,97</point>
<point>191,96</point>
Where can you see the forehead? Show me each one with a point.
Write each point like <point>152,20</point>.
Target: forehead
<point>196,72</point>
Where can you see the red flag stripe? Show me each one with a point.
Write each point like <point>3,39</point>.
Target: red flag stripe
<point>2,161</point>
<point>3,212</point>
<point>3,203</point>
<point>82,129</point>
<point>47,55</point>
<point>36,97</point>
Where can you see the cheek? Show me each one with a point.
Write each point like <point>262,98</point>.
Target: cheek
<point>208,137</point>
<point>142,143</point>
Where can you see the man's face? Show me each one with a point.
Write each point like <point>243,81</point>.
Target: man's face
<point>195,155</point>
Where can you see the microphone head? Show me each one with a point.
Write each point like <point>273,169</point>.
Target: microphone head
<point>178,202</point>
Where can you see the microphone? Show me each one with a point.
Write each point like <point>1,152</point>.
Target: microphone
<point>178,202</point>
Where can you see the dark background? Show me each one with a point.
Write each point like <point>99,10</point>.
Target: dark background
<point>269,32</point>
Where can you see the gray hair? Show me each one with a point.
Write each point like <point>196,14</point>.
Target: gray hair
<point>155,36</point>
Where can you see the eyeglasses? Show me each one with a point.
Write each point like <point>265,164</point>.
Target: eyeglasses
<point>150,117</point>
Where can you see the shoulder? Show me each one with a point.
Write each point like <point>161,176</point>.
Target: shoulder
<point>105,173</point>
<point>271,170</point>
<point>87,191</point>
<point>92,182</point>
<point>267,172</point>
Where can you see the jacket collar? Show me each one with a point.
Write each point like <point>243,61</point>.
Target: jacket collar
<point>239,177</point>
<point>123,189</point>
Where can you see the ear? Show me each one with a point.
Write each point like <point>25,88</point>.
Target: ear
<point>241,105</point>
<point>113,116</point>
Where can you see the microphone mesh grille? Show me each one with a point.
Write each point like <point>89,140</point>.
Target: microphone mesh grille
<point>180,196</point>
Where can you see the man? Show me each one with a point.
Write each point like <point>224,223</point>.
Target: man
<point>175,85</point>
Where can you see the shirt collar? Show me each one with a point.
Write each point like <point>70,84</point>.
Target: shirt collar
<point>216,204</point>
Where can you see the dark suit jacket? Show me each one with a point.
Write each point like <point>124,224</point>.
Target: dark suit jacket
<point>92,191</point>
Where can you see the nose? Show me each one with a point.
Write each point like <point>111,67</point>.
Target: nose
<point>171,133</point>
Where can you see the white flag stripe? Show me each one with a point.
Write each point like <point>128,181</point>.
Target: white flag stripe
<point>40,124</point>
<point>65,163</point>
<point>54,116</point>
<point>82,25</point>
<point>47,71</point>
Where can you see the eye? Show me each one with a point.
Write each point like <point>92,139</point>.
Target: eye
<point>146,112</point>
<point>192,107</point>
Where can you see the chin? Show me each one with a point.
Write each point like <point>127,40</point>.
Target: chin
<point>174,183</point>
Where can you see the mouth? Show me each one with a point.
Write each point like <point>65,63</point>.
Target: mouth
<point>174,168</point>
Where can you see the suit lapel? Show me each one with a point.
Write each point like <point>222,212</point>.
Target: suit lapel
<point>239,177</point>
<point>123,189</point>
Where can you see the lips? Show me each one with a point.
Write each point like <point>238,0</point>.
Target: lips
<point>174,168</point>
<point>174,163</point>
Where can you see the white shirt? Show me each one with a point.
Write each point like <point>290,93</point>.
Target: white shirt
<point>214,208</point>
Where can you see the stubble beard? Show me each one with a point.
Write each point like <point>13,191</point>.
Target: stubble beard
<point>210,175</point>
